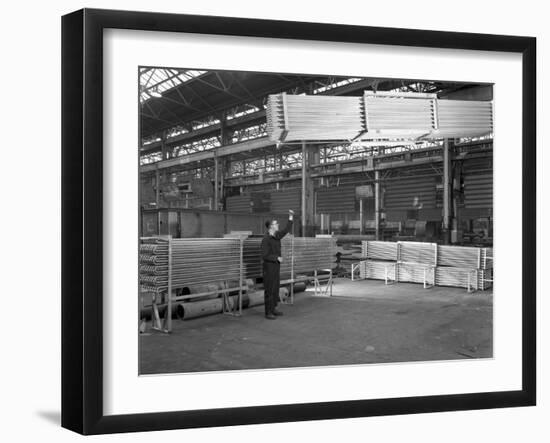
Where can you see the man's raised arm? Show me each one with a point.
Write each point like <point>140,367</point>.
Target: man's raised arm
<point>288,227</point>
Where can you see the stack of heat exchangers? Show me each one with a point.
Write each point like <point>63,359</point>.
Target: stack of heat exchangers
<point>373,116</point>
<point>195,262</point>
<point>427,263</point>
<point>301,255</point>
<point>199,262</point>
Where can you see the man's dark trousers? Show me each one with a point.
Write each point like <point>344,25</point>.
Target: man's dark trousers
<point>272,281</point>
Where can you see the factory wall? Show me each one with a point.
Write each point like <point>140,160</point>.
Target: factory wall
<point>178,190</point>
<point>189,223</point>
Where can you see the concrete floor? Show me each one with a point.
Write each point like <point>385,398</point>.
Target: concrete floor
<point>364,322</point>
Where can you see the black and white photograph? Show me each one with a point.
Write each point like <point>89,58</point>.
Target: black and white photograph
<point>297,220</point>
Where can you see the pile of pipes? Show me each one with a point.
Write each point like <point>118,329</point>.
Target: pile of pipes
<point>312,254</point>
<point>375,116</point>
<point>193,262</point>
<point>427,263</point>
<point>202,262</point>
<point>300,255</point>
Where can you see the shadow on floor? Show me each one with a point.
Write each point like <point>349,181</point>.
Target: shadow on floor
<point>54,417</point>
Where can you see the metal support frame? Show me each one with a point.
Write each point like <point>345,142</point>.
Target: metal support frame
<point>229,307</point>
<point>157,188</point>
<point>387,279</point>
<point>471,288</point>
<point>319,291</point>
<point>361,222</point>
<point>355,267</point>
<point>425,283</point>
<point>216,186</point>
<point>292,277</point>
<point>164,325</point>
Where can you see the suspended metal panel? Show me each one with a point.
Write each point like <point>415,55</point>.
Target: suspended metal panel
<point>375,116</point>
<point>478,191</point>
<point>340,199</point>
<point>410,193</point>
<point>312,117</point>
<point>239,203</point>
<point>282,201</point>
<point>463,118</point>
<point>398,116</point>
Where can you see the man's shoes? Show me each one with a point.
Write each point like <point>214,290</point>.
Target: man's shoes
<point>277,312</point>
<point>270,316</point>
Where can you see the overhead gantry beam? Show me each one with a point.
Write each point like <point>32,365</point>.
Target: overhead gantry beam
<point>235,148</point>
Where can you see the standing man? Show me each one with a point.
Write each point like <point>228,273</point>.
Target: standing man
<point>272,259</point>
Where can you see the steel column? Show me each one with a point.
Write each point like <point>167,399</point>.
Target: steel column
<point>361,216</point>
<point>168,313</point>
<point>446,191</point>
<point>377,204</point>
<point>304,178</point>
<point>157,188</point>
<point>216,188</point>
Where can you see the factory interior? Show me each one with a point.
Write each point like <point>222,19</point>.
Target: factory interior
<point>390,255</point>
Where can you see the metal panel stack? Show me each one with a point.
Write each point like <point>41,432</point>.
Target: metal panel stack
<point>239,203</point>
<point>194,262</point>
<point>463,266</point>
<point>457,277</point>
<point>415,273</point>
<point>486,258</point>
<point>416,262</point>
<point>467,118</point>
<point>379,250</point>
<point>300,255</point>
<point>417,252</point>
<point>478,191</point>
<point>313,117</point>
<point>428,263</point>
<point>399,115</point>
<point>337,199</point>
<point>407,192</point>
<point>252,257</point>
<point>375,116</point>
<point>287,254</point>
<point>459,256</point>
<point>282,201</point>
<point>377,270</point>
<point>313,254</point>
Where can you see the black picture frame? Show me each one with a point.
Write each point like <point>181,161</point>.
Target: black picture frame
<point>82,259</point>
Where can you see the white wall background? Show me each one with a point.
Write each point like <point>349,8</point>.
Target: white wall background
<point>30,190</point>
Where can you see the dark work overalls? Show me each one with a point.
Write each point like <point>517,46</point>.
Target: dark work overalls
<point>271,249</point>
